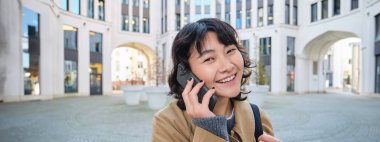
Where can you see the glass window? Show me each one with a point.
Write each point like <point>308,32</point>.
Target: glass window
<point>336,7</point>
<point>198,2</point>
<point>354,4</point>
<point>314,12</point>
<point>146,25</point>
<point>125,2</point>
<point>238,19</point>
<point>95,78</point>
<point>260,13</point>
<point>30,51</point>
<point>290,45</point>
<point>136,3</point>
<point>295,12</point>
<point>71,76</point>
<point>265,46</point>
<point>260,17</point>
<point>245,43</point>
<point>290,78</point>
<point>76,6</point>
<point>186,18</point>
<point>287,13</point>
<point>146,3</point>
<point>315,67</point>
<point>207,7</point>
<point>248,19</point>
<point>70,37</point>
<point>90,8</point>
<point>101,10</point>
<point>197,17</point>
<point>96,42</point>
<point>135,24</point>
<point>227,14</point>
<point>325,8</point>
<point>125,22</point>
<point>377,84</point>
<point>218,10</point>
<point>65,4</point>
<point>178,21</point>
<point>270,14</point>
<point>377,27</point>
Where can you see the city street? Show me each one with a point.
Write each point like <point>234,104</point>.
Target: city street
<point>295,118</point>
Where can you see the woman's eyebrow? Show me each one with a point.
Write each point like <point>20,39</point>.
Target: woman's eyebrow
<point>205,52</point>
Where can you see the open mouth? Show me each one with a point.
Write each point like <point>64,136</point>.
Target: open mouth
<point>228,79</point>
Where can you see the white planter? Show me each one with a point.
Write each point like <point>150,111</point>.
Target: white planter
<point>143,96</point>
<point>131,94</point>
<point>157,96</point>
<point>257,95</point>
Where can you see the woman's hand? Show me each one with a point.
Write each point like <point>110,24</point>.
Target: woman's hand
<point>193,108</point>
<point>268,138</point>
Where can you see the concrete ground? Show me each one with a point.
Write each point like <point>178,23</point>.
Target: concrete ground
<point>295,118</point>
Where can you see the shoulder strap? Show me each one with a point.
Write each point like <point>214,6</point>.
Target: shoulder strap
<point>258,125</point>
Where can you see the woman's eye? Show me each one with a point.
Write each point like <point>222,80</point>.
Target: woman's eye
<point>208,60</point>
<point>230,51</point>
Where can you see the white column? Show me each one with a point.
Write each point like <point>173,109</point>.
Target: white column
<point>279,12</point>
<point>192,10</point>
<point>330,8</point>
<point>254,13</point>
<point>51,66</point>
<point>213,8</point>
<point>83,60</point>
<point>278,63</point>
<point>107,71</point>
<point>319,10</point>
<point>11,72</point>
<point>265,12</point>
<point>290,12</point>
<point>96,7</point>
<point>223,11</point>
<point>182,15</point>
<point>301,75</point>
<point>130,15</point>
<point>367,76</point>
<point>141,16</point>
<point>243,14</point>
<point>171,15</point>
<point>233,13</point>
<point>83,7</point>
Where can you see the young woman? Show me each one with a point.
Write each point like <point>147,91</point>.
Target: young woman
<point>209,48</point>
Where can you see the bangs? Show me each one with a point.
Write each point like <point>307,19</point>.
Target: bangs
<point>225,33</point>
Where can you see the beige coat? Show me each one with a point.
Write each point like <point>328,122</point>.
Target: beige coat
<point>171,124</point>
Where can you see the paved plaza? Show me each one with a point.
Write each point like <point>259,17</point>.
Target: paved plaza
<point>295,118</point>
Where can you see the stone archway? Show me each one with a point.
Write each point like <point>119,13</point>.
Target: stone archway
<point>318,75</point>
<point>140,69</point>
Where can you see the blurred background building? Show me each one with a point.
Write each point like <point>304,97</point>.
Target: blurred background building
<point>54,48</point>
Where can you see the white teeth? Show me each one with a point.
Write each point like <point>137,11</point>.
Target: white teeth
<point>227,79</point>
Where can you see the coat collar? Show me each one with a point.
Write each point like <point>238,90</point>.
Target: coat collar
<point>244,124</point>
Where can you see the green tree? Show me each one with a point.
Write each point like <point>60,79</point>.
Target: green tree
<point>262,80</point>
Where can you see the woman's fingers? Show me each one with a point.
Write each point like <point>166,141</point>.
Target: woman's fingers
<point>186,91</point>
<point>207,96</point>
<point>268,138</point>
<point>193,95</point>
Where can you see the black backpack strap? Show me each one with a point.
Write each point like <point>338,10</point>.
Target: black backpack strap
<point>258,125</point>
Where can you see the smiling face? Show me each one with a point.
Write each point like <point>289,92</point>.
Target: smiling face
<point>220,66</point>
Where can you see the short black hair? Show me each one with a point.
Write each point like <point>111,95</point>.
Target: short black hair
<point>193,34</point>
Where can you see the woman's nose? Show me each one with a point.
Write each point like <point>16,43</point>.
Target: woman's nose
<point>225,65</point>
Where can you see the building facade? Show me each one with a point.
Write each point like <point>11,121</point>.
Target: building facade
<point>56,48</point>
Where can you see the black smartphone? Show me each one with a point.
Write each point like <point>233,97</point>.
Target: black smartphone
<point>183,76</point>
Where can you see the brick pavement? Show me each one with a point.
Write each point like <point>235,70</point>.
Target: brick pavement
<point>295,118</point>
